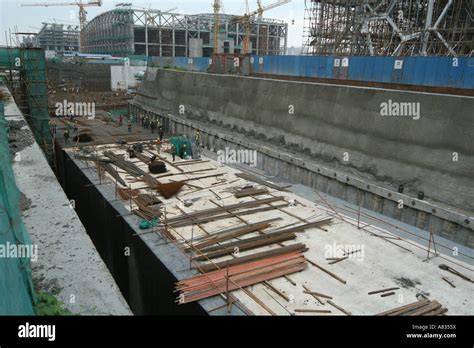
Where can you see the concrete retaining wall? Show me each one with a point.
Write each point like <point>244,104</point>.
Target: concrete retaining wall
<point>88,76</point>
<point>333,123</point>
<point>449,224</point>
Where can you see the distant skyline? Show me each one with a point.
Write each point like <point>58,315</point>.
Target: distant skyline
<point>29,19</point>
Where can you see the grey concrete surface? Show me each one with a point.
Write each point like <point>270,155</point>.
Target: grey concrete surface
<point>453,224</point>
<point>332,121</point>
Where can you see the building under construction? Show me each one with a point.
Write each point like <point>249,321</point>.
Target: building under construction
<point>389,27</point>
<point>60,38</point>
<point>126,31</point>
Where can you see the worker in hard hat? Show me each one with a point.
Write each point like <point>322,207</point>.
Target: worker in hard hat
<point>66,135</point>
<point>197,137</point>
<point>161,131</point>
<point>173,151</point>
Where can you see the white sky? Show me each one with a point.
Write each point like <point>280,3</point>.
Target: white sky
<point>29,19</point>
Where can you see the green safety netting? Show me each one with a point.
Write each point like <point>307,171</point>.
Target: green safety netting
<point>119,112</point>
<point>30,63</point>
<point>183,146</point>
<point>16,288</point>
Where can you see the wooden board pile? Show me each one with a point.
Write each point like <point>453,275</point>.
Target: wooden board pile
<point>250,192</point>
<point>423,307</point>
<point>238,276</point>
<point>123,164</point>
<point>222,212</point>
<point>269,238</point>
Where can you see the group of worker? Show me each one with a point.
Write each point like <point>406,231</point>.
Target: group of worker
<point>75,130</point>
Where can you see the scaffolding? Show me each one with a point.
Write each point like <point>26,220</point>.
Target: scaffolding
<point>60,38</point>
<point>127,31</point>
<point>25,72</point>
<point>389,27</point>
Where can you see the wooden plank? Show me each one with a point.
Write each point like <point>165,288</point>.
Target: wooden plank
<point>327,272</point>
<point>278,292</point>
<point>298,310</point>
<point>229,234</point>
<point>314,295</point>
<point>449,282</point>
<point>340,308</point>
<point>253,257</point>
<point>338,260</point>
<point>227,250</point>
<point>382,290</point>
<point>250,192</point>
<point>226,215</point>
<point>245,281</point>
<point>405,308</point>
<point>224,208</point>
<point>388,294</point>
<point>425,309</point>
<point>317,294</point>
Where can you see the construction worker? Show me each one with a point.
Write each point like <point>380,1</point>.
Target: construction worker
<point>173,151</point>
<point>161,131</point>
<point>75,129</point>
<point>146,122</point>
<point>153,126</point>
<point>197,137</point>
<point>129,127</point>
<point>120,121</point>
<point>66,135</point>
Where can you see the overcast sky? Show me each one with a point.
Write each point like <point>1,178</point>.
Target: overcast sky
<point>29,19</point>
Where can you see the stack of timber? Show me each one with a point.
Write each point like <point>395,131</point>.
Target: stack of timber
<point>238,276</point>
<point>220,212</point>
<point>231,233</point>
<point>109,169</point>
<point>253,257</point>
<point>423,307</point>
<point>277,236</point>
<point>247,192</point>
<point>127,166</point>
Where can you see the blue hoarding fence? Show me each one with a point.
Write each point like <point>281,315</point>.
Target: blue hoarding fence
<point>453,72</point>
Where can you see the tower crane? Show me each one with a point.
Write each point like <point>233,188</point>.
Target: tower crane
<point>217,7</point>
<point>246,19</point>
<point>82,12</point>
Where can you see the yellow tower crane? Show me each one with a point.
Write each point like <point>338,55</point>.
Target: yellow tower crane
<point>217,8</point>
<point>82,13</point>
<point>246,20</point>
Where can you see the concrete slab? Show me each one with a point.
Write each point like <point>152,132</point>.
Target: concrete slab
<point>383,258</point>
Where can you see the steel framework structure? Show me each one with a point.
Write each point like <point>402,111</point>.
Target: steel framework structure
<point>389,27</point>
<point>127,31</point>
<point>59,38</point>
